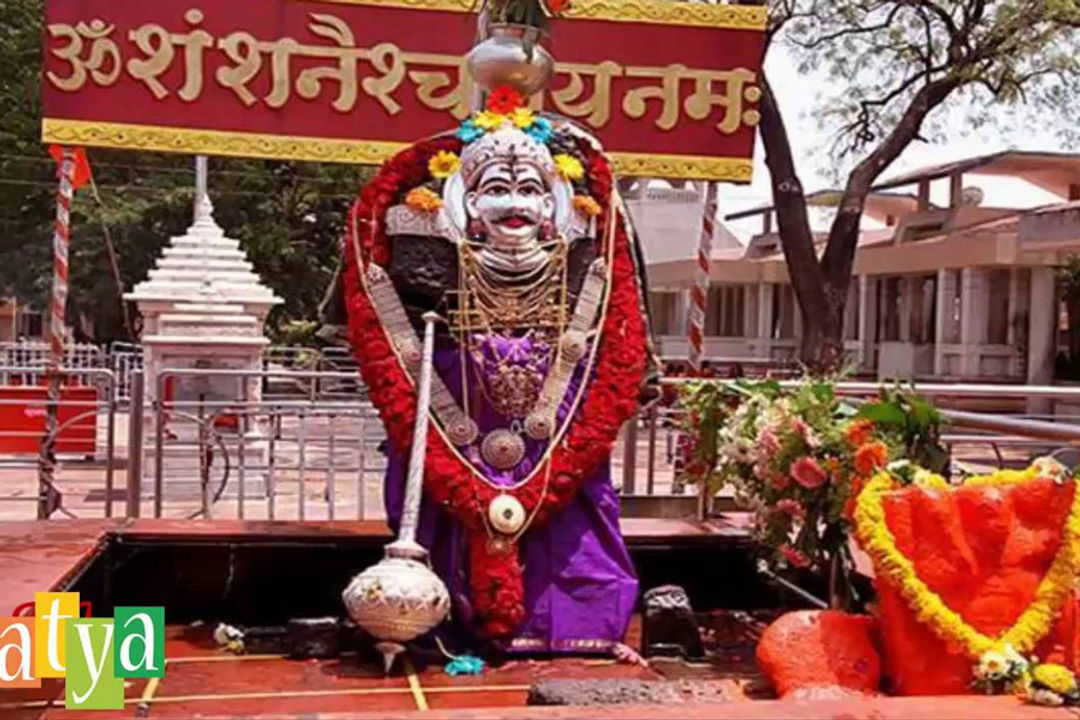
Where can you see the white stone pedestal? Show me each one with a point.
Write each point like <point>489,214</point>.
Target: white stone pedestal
<point>203,307</point>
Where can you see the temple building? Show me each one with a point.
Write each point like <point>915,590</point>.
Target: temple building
<point>953,290</point>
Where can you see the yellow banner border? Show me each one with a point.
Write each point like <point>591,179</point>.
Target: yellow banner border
<point>661,12</point>
<point>154,138</point>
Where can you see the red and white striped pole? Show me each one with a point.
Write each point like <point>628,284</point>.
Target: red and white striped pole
<point>61,240</point>
<point>699,295</point>
<point>47,494</point>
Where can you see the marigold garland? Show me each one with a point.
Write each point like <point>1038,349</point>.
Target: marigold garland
<point>1034,623</point>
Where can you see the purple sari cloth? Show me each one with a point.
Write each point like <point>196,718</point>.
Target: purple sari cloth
<point>580,585</point>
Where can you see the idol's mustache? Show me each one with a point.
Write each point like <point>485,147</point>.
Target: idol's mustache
<point>514,213</point>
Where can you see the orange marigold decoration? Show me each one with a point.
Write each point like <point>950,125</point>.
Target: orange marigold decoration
<point>870,458</point>
<point>505,100</point>
<point>587,206</point>
<point>987,567</point>
<point>423,199</point>
<point>859,432</point>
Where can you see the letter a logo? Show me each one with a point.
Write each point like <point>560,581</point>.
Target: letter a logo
<point>17,653</point>
<point>140,642</point>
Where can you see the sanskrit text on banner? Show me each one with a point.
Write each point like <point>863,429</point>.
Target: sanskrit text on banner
<point>332,75</point>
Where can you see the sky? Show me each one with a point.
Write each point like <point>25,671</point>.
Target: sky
<point>798,98</point>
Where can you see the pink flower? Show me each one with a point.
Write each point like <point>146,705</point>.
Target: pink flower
<point>780,482</point>
<point>794,557</point>
<point>808,473</point>
<point>768,443</point>
<point>792,508</point>
<point>806,432</point>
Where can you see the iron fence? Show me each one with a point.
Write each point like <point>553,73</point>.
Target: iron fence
<point>292,443</point>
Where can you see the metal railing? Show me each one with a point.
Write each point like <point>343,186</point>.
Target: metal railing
<point>301,448</point>
<point>303,444</point>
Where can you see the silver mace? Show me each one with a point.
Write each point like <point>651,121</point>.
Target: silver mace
<point>400,598</point>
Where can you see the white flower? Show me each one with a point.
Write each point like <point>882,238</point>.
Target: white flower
<point>741,451</point>
<point>1045,697</point>
<point>1048,467</point>
<point>992,665</point>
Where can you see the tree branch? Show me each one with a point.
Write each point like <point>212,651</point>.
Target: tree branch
<point>844,234</point>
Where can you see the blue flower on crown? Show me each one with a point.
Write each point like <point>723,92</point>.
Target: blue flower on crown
<point>541,130</point>
<point>469,132</point>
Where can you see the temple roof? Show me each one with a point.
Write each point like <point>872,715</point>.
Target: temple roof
<point>1053,172</point>
<point>879,205</point>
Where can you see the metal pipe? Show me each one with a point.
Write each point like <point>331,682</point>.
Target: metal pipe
<point>110,452</point>
<point>270,490</point>
<point>1062,432</point>
<point>331,491</point>
<point>629,469</point>
<point>301,472</point>
<point>134,494</point>
<point>361,472</point>
<point>960,390</point>
<point>813,599</point>
<point>159,446</point>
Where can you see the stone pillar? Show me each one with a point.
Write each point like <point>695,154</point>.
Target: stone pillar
<point>943,330</point>
<point>867,322</point>
<point>750,311</point>
<point>907,306</point>
<point>765,319</point>
<point>1043,327</point>
<point>682,307</point>
<point>972,319</point>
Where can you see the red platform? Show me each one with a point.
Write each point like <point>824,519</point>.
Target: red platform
<point>202,681</point>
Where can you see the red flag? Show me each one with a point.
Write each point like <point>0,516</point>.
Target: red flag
<point>82,173</point>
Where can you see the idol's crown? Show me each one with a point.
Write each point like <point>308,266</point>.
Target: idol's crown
<point>505,145</point>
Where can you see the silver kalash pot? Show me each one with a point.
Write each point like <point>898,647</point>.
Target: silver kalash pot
<point>400,598</point>
<point>511,55</point>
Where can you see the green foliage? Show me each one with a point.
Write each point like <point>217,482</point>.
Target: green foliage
<point>880,53</point>
<point>289,217</point>
<point>911,422</point>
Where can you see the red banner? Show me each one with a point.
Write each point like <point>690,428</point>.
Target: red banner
<point>669,87</point>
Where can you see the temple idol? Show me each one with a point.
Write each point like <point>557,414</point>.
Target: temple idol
<point>506,240</point>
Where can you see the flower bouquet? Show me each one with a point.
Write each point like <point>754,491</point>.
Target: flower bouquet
<point>797,458</point>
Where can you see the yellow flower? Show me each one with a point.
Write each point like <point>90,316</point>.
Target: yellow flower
<point>523,118</point>
<point>423,199</point>
<point>569,167</point>
<point>488,120</point>
<point>443,165</point>
<point>586,205</point>
<point>1055,677</point>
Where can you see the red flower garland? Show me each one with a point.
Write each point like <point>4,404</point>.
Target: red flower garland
<point>496,580</point>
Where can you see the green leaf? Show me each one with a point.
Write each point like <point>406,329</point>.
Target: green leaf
<point>884,413</point>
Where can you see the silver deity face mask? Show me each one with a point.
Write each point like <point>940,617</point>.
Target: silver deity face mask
<point>512,202</point>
